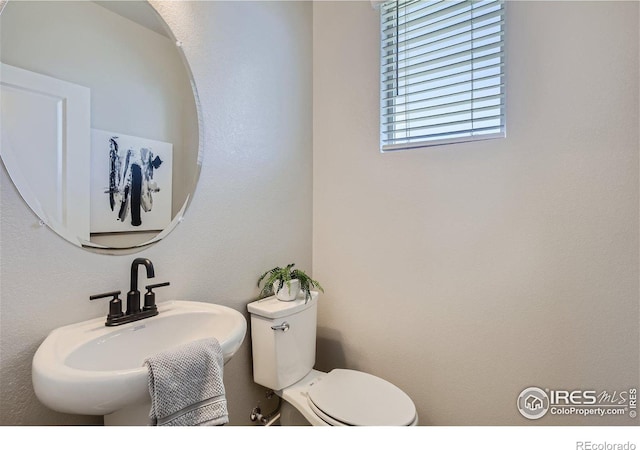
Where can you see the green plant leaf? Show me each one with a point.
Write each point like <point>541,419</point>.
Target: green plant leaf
<point>285,275</point>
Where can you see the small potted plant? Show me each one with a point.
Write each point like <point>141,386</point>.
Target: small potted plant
<point>286,283</point>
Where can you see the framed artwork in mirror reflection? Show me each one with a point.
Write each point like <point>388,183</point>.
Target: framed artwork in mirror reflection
<point>131,183</point>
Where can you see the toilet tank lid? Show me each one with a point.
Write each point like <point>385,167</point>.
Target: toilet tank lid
<point>272,308</point>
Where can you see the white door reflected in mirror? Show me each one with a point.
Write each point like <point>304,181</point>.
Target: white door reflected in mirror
<point>46,131</point>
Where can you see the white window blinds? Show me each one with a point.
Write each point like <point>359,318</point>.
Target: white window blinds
<point>442,78</point>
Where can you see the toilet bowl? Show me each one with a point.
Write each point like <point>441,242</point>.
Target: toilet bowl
<point>283,336</point>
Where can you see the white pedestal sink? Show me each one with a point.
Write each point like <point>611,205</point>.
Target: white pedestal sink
<point>88,368</point>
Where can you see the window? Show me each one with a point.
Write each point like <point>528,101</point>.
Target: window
<point>442,78</point>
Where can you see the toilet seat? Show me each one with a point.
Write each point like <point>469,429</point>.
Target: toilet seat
<point>350,397</point>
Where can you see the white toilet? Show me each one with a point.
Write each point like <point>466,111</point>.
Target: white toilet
<point>283,336</point>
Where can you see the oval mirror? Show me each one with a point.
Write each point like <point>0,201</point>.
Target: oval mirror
<point>99,120</point>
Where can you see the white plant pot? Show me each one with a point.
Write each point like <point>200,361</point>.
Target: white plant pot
<point>289,291</point>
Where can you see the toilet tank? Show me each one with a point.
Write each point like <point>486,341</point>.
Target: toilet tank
<point>284,355</point>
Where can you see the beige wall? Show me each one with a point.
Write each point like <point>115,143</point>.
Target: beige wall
<point>257,120</point>
<point>466,273</point>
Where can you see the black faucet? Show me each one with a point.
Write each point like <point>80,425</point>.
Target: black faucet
<point>133,296</point>
<point>133,313</point>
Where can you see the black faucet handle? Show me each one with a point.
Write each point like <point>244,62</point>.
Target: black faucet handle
<point>115,305</point>
<point>153,286</point>
<point>150,296</point>
<point>113,294</point>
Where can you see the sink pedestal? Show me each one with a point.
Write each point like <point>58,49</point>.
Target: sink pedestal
<point>132,415</point>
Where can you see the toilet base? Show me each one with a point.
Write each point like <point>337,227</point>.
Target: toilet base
<point>295,397</point>
<point>291,417</point>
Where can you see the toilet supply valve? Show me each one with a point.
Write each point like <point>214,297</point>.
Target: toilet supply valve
<point>256,414</point>
<point>266,419</point>
<point>284,326</point>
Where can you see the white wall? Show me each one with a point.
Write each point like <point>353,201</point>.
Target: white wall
<point>257,120</point>
<point>466,273</point>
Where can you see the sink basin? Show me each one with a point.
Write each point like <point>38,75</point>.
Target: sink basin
<point>88,368</point>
